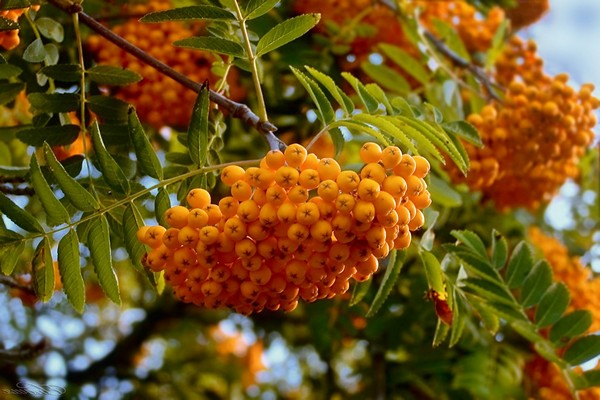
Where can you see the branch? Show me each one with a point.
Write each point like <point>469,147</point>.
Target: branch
<point>11,282</point>
<point>479,73</point>
<point>24,351</point>
<point>25,191</point>
<point>237,110</point>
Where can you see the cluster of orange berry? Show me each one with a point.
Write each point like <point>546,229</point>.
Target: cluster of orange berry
<point>160,101</point>
<point>10,39</point>
<point>475,30</point>
<point>526,12</point>
<point>535,137</point>
<point>296,227</point>
<point>545,376</point>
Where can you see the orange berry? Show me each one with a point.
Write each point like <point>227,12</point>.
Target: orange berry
<point>275,159</point>
<point>391,156</point>
<point>241,190</point>
<point>417,221</point>
<point>177,216</point>
<point>406,167</point>
<point>197,218</point>
<point>231,174</point>
<point>328,190</point>
<point>370,152</point>
<point>286,177</point>
<point>188,236</point>
<point>422,167</point>
<point>198,198</point>
<point>347,181</point>
<point>153,236</point>
<point>298,194</point>
<point>295,155</point>
<point>248,211</point>
<point>307,213</point>
<point>368,190</point>
<point>309,179</point>
<point>374,171</point>
<point>328,168</point>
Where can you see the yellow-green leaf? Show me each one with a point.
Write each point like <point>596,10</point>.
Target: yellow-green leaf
<point>99,244</point>
<point>56,212</point>
<point>69,266</point>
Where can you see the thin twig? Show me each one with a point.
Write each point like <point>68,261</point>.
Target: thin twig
<point>237,110</point>
<point>13,283</point>
<point>17,191</point>
<point>460,62</point>
<point>24,351</point>
<point>12,179</point>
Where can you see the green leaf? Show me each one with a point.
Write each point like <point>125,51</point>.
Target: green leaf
<point>386,126</point>
<point>569,326</point>
<point>9,91</point>
<point>189,13</point>
<point>19,216</point>
<point>443,193</point>
<point>50,29</point>
<point>392,272</point>
<point>477,265</point>
<point>536,284</point>
<point>361,127</point>
<point>69,266</point>
<point>212,44</point>
<point>35,52</point>
<point>53,135</point>
<point>326,113</point>
<point>111,172</point>
<point>255,8</point>
<point>359,291</point>
<point>8,71</point>
<point>109,108</point>
<point>52,54</point>
<point>419,132</point>
<point>582,350</point>
<point>370,103</point>
<point>63,72</point>
<point>99,245</point>
<point>527,330</point>
<point>53,102</point>
<point>464,130</point>
<point>491,291</point>
<point>8,25</point>
<point>441,332</point>
<point>451,38</point>
<point>146,156</point>
<point>433,271</point>
<point>504,311</point>
<point>8,237</point>
<point>380,96</point>
<point>14,4</point>
<point>499,249</point>
<point>405,61</point>
<point>9,255</point>
<point>458,320</point>
<point>592,379</point>
<point>337,93</point>
<point>42,269</point>
<point>470,240</point>
<point>162,203</point>
<point>285,32</point>
<point>132,221</point>
<point>56,212</point>
<point>198,129</point>
<point>386,77</point>
<point>109,75</point>
<point>72,189</point>
<point>553,305</point>
<point>519,265</point>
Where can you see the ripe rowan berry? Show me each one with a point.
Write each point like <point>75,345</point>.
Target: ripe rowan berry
<point>370,153</point>
<point>328,168</point>
<point>198,198</point>
<point>153,236</point>
<point>295,155</point>
<point>177,216</point>
<point>231,174</point>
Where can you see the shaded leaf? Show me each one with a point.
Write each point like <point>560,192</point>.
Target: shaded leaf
<point>392,272</point>
<point>56,212</point>
<point>9,91</point>
<point>8,25</point>
<point>9,255</point>
<point>582,350</point>
<point>491,291</point>
<point>42,269</point>
<point>573,324</point>
<point>477,265</point>
<point>285,32</point>
<point>111,172</point>
<point>63,72</point>
<point>35,52</point>
<point>99,245</point>
<point>189,13</point>
<point>146,156</point>
<point>198,129</point>
<point>8,71</point>
<point>72,189</point>
<point>536,284</point>
<point>386,77</point>
<point>553,305</point>
<point>359,291</point>
<point>471,240</point>
<point>255,8</point>
<point>162,203</point>
<point>591,378</point>
<point>19,216</point>
<point>443,193</point>
<point>519,265</point>
<point>499,249</point>
<point>54,102</point>
<point>108,108</point>
<point>55,135</point>
<point>109,75</point>
<point>212,44</point>
<point>70,270</point>
<point>50,29</point>
<point>132,221</point>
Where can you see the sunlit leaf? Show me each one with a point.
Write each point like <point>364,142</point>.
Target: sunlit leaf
<point>212,44</point>
<point>9,255</point>
<point>405,61</point>
<point>285,32</point>
<point>553,305</point>
<point>337,93</point>
<point>571,325</point>
<point>582,350</point>
<point>359,291</point>
<point>519,265</point>
<point>499,249</point>
<point>464,130</point>
<point>471,240</point>
<point>42,269</point>
<point>369,101</point>
<point>146,156</point>
<point>111,172</point>
<point>19,216</point>
<point>255,8</point>
<point>326,113</point>
<point>536,284</point>
<point>189,13</point>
